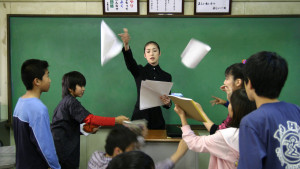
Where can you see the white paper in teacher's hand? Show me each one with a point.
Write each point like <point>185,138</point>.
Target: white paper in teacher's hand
<point>194,53</point>
<point>111,46</point>
<point>151,91</point>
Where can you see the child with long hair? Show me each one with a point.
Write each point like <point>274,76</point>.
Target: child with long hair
<point>223,146</point>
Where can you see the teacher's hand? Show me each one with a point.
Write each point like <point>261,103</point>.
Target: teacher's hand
<point>166,100</point>
<point>125,38</point>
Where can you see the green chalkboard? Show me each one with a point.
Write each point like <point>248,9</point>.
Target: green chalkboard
<point>73,43</point>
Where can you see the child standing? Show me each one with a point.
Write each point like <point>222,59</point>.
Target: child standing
<point>33,139</point>
<point>270,135</point>
<point>234,79</point>
<point>67,118</point>
<point>223,146</point>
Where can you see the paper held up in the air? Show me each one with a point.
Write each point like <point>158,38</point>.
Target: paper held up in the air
<point>194,52</point>
<point>111,46</point>
<point>151,91</point>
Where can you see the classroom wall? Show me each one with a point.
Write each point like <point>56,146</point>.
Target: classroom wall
<point>93,7</point>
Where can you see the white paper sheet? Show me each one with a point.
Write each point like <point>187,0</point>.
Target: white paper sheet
<point>151,91</point>
<point>111,46</point>
<point>82,131</point>
<point>194,53</point>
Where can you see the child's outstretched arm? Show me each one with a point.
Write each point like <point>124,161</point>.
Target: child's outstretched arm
<point>180,152</point>
<point>181,114</point>
<point>217,101</point>
<point>208,122</point>
<point>104,121</point>
<point>121,119</point>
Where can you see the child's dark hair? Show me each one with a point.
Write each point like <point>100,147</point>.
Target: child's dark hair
<point>241,106</point>
<point>152,42</point>
<point>120,136</point>
<point>236,70</point>
<point>268,72</point>
<point>31,69</point>
<point>70,80</point>
<point>132,160</point>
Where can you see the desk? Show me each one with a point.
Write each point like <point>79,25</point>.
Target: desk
<point>7,157</point>
<point>159,136</point>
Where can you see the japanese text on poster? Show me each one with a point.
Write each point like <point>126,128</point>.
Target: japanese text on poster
<point>115,6</point>
<point>212,6</point>
<point>165,6</point>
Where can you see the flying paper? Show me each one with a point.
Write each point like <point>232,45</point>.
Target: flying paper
<point>193,53</point>
<point>111,46</point>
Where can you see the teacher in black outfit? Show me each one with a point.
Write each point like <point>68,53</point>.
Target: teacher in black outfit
<point>150,71</point>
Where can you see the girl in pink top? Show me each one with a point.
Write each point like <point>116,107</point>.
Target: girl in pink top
<point>223,146</point>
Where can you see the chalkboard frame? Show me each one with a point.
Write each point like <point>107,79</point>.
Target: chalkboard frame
<point>9,84</point>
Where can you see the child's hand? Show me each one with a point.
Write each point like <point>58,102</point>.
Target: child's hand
<point>217,101</point>
<point>181,150</point>
<point>179,111</point>
<point>165,99</point>
<point>145,131</point>
<point>89,128</point>
<point>120,119</point>
<point>125,37</point>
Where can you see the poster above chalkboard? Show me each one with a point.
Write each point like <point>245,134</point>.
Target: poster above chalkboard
<point>212,6</point>
<point>120,7</point>
<point>165,7</point>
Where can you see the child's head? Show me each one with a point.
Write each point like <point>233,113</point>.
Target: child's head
<point>132,160</point>
<point>72,81</point>
<point>234,77</point>
<point>120,139</point>
<point>152,52</point>
<point>267,72</point>
<point>239,107</point>
<point>34,69</point>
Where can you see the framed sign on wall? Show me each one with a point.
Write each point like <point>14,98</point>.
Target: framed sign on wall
<point>165,7</point>
<point>130,7</point>
<point>212,6</point>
